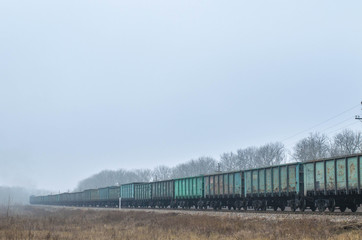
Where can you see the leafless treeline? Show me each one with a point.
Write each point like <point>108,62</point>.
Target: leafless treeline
<point>315,146</point>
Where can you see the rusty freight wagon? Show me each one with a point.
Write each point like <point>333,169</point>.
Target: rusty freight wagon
<point>224,190</point>
<point>333,182</point>
<point>162,193</point>
<point>274,186</point>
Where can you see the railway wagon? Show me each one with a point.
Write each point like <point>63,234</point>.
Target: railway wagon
<point>189,192</point>
<point>109,196</point>
<point>114,195</point>
<point>64,199</point>
<point>78,198</point>
<point>127,194</point>
<point>72,199</point>
<point>53,199</point>
<point>36,199</point>
<point>275,186</point>
<point>162,193</point>
<point>143,194</point>
<point>224,190</point>
<point>86,197</point>
<point>104,197</point>
<point>334,182</point>
<point>45,199</point>
<point>94,197</point>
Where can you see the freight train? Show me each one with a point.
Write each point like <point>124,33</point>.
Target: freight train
<point>326,183</point>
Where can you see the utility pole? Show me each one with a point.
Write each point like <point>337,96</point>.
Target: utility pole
<point>358,117</point>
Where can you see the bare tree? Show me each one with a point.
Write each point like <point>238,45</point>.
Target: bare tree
<point>161,173</point>
<point>248,158</point>
<point>113,178</point>
<point>144,175</point>
<point>313,147</point>
<point>230,162</point>
<point>346,142</point>
<point>202,165</point>
<point>8,207</point>
<point>270,154</point>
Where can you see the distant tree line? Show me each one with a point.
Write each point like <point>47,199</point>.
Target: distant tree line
<point>315,146</point>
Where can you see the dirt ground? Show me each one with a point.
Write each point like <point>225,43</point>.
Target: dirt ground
<point>30,222</point>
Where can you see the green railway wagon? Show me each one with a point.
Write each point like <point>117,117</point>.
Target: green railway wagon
<point>104,194</point>
<point>78,198</point>
<point>224,190</point>
<point>188,192</point>
<point>64,198</point>
<point>109,196</point>
<point>94,195</point>
<point>334,182</point>
<point>86,196</point>
<point>72,198</point>
<point>127,191</point>
<point>35,199</point>
<point>114,192</point>
<point>53,199</point>
<point>46,199</point>
<point>189,187</point>
<point>142,191</point>
<point>143,194</point>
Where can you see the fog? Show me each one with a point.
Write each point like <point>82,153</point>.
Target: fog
<point>92,85</point>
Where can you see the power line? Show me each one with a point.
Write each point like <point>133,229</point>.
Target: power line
<point>346,120</point>
<point>354,123</point>
<point>327,133</point>
<point>358,117</point>
<point>308,129</point>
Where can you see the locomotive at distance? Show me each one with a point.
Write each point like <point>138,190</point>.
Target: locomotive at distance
<point>326,183</point>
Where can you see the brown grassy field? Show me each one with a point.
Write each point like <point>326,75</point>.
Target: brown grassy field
<point>62,223</point>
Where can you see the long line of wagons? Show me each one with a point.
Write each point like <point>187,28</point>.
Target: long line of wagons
<point>326,183</point>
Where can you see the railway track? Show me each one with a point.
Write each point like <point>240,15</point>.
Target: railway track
<point>255,212</point>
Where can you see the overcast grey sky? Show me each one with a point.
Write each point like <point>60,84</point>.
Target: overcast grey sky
<point>93,85</point>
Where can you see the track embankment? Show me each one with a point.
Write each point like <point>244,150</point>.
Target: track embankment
<point>249,214</point>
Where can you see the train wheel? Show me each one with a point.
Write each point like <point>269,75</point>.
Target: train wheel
<point>353,208</point>
<point>321,208</point>
<point>313,208</point>
<point>275,207</point>
<point>342,208</point>
<point>302,208</point>
<point>331,208</point>
<point>282,207</point>
<point>293,208</point>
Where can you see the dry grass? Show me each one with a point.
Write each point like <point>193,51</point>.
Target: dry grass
<point>62,223</point>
